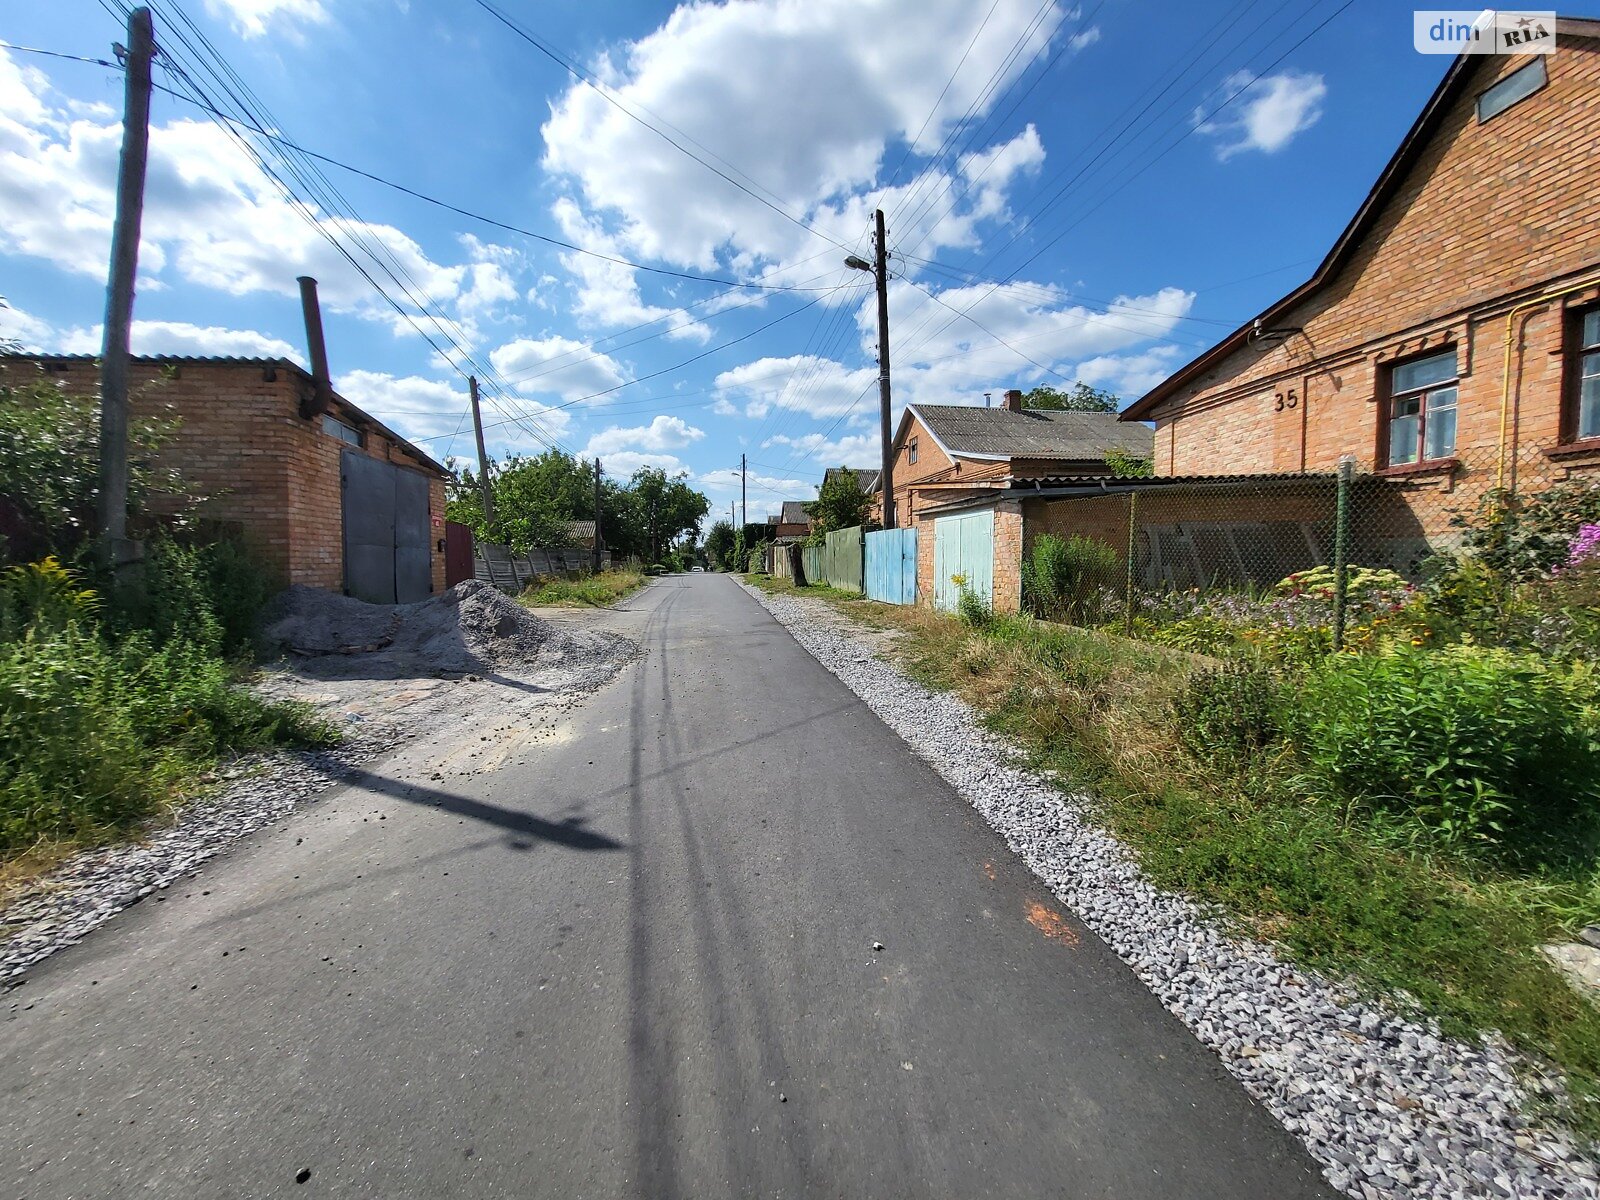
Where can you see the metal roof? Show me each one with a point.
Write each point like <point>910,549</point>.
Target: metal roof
<point>966,431</point>
<point>794,513</point>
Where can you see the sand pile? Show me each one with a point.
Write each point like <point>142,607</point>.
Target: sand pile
<point>471,628</point>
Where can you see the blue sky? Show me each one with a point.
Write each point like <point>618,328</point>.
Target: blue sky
<point>1082,158</point>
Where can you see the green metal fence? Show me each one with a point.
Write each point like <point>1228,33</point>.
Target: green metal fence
<point>843,561</point>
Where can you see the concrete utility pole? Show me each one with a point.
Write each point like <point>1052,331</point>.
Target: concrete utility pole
<point>879,268</point>
<point>744,500</point>
<point>114,354</point>
<point>595,559</point>
<point>483,457</point>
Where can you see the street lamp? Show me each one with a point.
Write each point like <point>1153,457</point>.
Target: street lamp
<point>879,270</point>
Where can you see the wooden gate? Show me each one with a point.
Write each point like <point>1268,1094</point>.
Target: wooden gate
<point>963,557</point>
<point>892,566</point>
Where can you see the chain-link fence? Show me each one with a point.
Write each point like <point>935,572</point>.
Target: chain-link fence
<point>1476,547</point>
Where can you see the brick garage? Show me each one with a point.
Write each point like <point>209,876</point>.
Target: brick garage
<point>265,472</point>
<point>1481,239</point>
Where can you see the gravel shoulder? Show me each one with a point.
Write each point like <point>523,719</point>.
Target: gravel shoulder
<point>1385,1104</point>
<point>419,676</point>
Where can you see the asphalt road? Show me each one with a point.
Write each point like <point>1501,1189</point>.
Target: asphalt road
<point>634,960</point>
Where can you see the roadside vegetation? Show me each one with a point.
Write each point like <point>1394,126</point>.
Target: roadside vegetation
<point>588,591</point>
<point>1418,814</point>
<point>115,701</point>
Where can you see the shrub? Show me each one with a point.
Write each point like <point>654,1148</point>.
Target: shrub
<point>972,608</point>
<point>1063,579</point>
<point>1459,746</point>
<point>1227,716</point>
<point>1522,538</point>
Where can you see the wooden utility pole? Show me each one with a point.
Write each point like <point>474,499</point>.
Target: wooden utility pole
<point>595,561</point>
<point>114,354</point>
<point>483,457</point>
<point>880,270</point>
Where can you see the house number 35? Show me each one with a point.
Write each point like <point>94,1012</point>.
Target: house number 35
<point>1285,400</point>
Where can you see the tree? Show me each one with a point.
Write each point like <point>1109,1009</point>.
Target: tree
<point>719,545</point>
<point>1081,398</point>
<point>840,503</point>
<point>667,507</point>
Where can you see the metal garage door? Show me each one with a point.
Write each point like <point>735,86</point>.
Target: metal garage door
<point>963,546</point>
<point>387,556</point>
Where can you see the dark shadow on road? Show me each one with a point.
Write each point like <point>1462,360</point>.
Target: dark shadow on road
<point>569,833</point>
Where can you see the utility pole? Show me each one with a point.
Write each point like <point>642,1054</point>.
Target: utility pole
<point>114,354</point>
<point>879,269</point>
<point>483,457</point>
<point>744,500</point>
<point>595,561</point>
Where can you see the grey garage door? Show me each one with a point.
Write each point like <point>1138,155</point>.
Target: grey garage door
<point>387,555</point>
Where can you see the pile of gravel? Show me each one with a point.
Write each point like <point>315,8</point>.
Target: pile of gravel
<point>1387,1105</point>
<point>471,628</point>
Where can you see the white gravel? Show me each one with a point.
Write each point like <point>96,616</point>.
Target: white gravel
<point>1388,1106</point>
<point>404,684</point>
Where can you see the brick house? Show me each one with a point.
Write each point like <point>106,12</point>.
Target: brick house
<point>965,464</point>
<point>334,499</point>
<point>1450,341</point>
<point>793,521</point>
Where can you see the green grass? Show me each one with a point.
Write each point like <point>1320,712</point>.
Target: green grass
<point>589,591</point>
<point>1455,933</point>
<point>774,585</point>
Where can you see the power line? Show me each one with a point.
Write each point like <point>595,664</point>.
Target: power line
<point>99,62</point>
<point>605,94</point>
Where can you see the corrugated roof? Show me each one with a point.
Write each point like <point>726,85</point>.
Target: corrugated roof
<point>794,513</point>
<point>966,430</point>
<point>865,476</point>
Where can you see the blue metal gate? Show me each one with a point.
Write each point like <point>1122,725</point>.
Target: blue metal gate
<point>892,566</point>
<point>963,557</point>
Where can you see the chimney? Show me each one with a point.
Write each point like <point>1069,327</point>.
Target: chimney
<point>1014,400</point>
<point>988,400</point>
<point>321,399</point>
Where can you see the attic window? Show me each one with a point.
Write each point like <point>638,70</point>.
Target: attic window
<point>334,427</point>
<point>1518,85</point>
<point>911,450</point>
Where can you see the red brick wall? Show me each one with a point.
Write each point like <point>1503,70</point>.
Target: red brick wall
<point>264,471</point>
<point>1008,528</point>
<point>1489,216</point>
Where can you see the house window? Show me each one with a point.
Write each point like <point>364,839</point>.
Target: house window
<point>1518,85</point>
<point>345,433</point>
<point>1422,413</point>
<point>911,450</point>
<point>1587,414</point>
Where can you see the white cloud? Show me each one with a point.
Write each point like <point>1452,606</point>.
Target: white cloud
<point>1129,375</point>
<point>30,331</point>
<point>663,433</point>
<point>766,493</point>
<point>180,337</point>
<point>556,365</point>
<point>436,413</point>
<point>624,463</point>
<point>1268,114</point>
<point>820,104</point>
<point>212,217</point>
<point>251,18</point>
<point>801,382</point>
<point>608,292</point>
<point>856,450</point>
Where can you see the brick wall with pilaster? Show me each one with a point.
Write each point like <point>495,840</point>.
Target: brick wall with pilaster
<point>1489,218</point>
<point>1008,530</point>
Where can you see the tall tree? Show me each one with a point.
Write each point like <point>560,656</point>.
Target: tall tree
<point>840,503</point>
<point>1079,398</point>
<point>719,545</point>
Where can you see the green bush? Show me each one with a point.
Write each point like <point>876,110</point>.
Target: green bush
<point>1227,716</point>
<point>1066,579</point>
<point>1521,538</point>
<point>1459,747</point>
<point>973,609</point>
